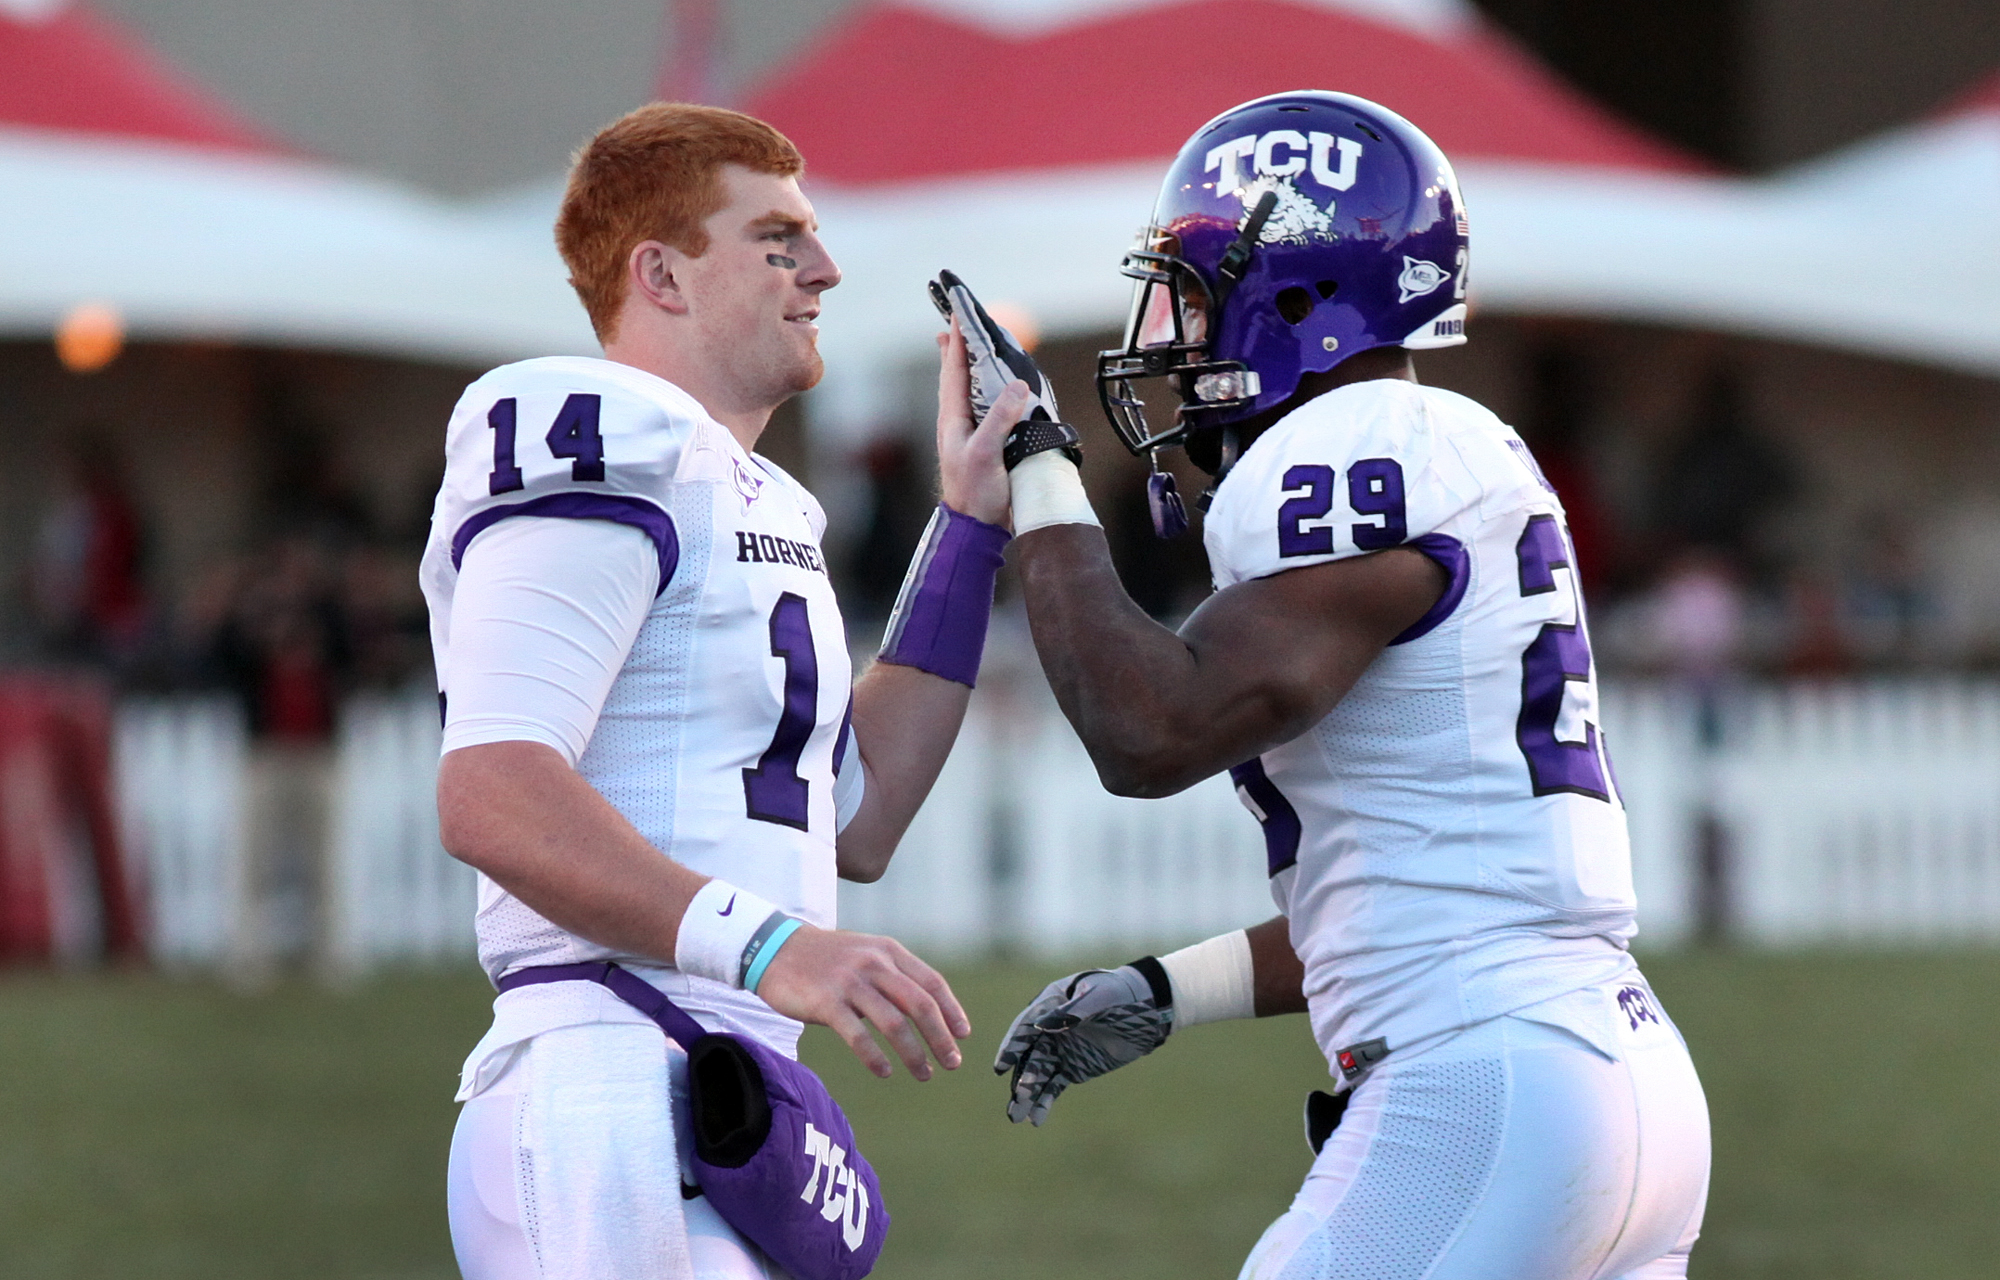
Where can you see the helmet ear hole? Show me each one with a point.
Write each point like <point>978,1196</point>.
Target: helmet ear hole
<point>1327,288</point>
<point>1294,304</point>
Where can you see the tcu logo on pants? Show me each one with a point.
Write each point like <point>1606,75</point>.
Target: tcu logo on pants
<point>1638,1007</point>
<point>845,1197</point>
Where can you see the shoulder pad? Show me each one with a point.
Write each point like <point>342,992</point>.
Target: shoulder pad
<point>1347,474</point>
<point>569,437</point>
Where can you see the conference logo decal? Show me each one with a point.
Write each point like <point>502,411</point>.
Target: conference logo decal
<point>1419,278</point>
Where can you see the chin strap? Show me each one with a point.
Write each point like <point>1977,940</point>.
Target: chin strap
<point>1232,449</point>
<point>1163,501</point>
<point>1235,264</point>
<point>1236,259</point>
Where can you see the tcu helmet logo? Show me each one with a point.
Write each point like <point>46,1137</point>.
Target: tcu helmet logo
<point>1638,1007</point>
<point>1275,161</point>
<point>1284,153</point>
<point>845,1197</point>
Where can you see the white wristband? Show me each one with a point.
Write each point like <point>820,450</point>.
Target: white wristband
<point>1213,980</point>
<point>716,929</point>
<point>1048,489</point>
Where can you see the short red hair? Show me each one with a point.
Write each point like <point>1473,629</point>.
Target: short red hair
<point>654,174</point>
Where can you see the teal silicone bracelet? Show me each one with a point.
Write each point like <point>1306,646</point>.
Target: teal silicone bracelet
<point>769,952</point>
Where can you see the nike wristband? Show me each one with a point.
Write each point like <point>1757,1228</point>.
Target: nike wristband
<point>939,623</point>
<point>725,931</point>
<point>1213,981</point>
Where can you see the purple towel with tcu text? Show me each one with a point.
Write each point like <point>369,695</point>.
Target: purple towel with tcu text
<point>773,1151</point>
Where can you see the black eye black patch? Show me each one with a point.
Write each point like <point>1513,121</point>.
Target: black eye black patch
<point>780,260</point>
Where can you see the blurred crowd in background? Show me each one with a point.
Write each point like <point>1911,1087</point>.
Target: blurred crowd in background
<point>1713,567</point>
<point>173,518</point>
<point>323,604</point>
<point>1704,575</point>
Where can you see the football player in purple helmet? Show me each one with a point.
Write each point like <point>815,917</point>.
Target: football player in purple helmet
<point>1269,217</point>
<point>1395,669</point>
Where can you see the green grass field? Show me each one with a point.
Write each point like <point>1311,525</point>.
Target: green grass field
<point>170,1130</point>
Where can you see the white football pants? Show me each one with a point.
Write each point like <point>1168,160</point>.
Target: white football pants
<point>1513,1152</point>
<point>567,1167</point>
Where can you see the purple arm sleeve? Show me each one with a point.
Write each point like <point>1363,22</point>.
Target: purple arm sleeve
<point>939,624</point>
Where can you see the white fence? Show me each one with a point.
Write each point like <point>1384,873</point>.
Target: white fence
<point>1846,812</point>
<point>185,773</point>
<point>1019,848</point>
<point>394,894</point>
<point>1849,812</point>
<point>178,769</point>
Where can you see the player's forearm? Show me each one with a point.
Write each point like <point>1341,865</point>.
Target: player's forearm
<point>905,721</point>
<point>519,813</point>
<point>1256,665</point>
<point>1278,978</point>
<point>1121,679</point>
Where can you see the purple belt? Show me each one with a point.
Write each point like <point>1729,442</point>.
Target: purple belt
<point>773,1151</point>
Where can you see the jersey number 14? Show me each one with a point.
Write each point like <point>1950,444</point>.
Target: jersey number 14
<point>575,436</point>
<point>774,791</point>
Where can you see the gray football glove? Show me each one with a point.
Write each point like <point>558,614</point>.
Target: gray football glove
<point>995,359</point>
<point>1081,1027</point>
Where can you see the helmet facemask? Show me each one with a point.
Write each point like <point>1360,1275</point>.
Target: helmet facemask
<point>1168,334</point>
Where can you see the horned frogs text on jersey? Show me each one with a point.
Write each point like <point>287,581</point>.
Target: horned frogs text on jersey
<point>720,735</point>
<point>1449,843</point>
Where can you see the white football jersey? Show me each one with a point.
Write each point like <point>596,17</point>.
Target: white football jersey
<point>721,734</point>
<point>1449,843</point>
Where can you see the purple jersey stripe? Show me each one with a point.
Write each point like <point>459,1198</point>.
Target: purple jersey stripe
<point>1451,556</point>
<point>617,508</point>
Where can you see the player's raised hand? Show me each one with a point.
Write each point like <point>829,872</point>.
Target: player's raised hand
<point>1079,1028</point>
<point>993,367</point>
<point>972,477</point>
<point>994,357</point>
<point>853,981</point>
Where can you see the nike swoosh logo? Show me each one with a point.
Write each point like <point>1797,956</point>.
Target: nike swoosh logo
<point>731,907</point>
<point>689,1191</point>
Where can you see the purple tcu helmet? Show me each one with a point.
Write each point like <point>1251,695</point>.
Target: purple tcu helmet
<point>1292,232</point>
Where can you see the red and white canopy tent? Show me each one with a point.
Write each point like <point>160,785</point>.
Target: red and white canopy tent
<point>1020,142</point>
<point>124,184</point>
<point>1024,151</point>
<point>1910,221</point>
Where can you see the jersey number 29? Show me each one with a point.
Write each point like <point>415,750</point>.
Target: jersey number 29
<point>1558,656</point>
